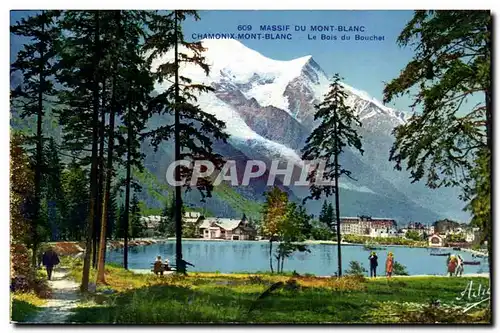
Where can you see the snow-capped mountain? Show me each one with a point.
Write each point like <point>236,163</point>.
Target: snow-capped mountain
<point>268,108</point>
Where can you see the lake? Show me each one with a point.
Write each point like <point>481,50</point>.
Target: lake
<point>253,256</point>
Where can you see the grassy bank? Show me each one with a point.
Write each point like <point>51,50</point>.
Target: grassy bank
<point>232,298</point>
<point>25,306</point>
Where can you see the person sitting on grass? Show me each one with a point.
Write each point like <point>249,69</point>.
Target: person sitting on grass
<point>166,266</point>
<point>389,263</point>
<point>158,266</point>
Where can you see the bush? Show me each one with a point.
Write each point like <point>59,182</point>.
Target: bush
<point>355,269</point>
<point>358,239</point>
<point>399,269</point>
<point>413,235</point>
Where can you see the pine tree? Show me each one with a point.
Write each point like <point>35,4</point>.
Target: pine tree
<point>137,227</point>
<point>35,62</point>
<point>115,30</point>
<point>323,215</point>
<point>80,73</point>
<point>330,217</point>
<point>193,135</point>
<point>52,191</point>
<point>136,89</point>
<point>327,142</point>
<point>75,184</point>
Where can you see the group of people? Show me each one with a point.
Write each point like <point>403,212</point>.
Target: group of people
<point>455,265</point>
<point>389,264</point>
<point>159,267</point>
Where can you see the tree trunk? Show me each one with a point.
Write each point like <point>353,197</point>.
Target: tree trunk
<point>271,254</point>
<point>178,198</point>
<point>127,189</point>
<point>39,151</point>
<point>100,176</point>
<point>109,175</point>
<point>337,199</point>
<point>93,167</point>
<point>282,263</point>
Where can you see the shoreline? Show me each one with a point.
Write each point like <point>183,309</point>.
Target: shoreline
<point>485,275</point>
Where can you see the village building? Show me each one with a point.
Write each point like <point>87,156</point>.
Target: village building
<point>367,226</point>
<point>227,229</point>
<point>436,240</point>
<point>151,223</point>
<point>193,219</point>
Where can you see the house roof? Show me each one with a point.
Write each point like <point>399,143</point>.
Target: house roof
<point>435,235</point>
<point>224,223</point>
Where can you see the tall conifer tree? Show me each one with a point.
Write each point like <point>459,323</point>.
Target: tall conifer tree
<point>193,130</point>
<point>327,142</point>
<point>35,63</point>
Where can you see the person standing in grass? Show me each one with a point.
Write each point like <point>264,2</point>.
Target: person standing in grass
<point>49,260</point>
<point>373,264</point>
<point>452,265</point>
<point>389,263</point>
<point>460,266</point>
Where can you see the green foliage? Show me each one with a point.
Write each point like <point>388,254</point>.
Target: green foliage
<point>136,226</point>
<point>193,136</point>
<point>450,142</point>
<point>356,269</point>
<point>357,239</point>
<point>451,65</point>
<point>413,235</point>
<point>21,192</point>
<point>480,194</point>
<point>141,298</point>
<point>455,238</point>
<point>25,306</point>
<point>321,232</point>
<point>76,197</point>
<point>399,269</point>
<point>327,141</point>
<point>327,215</point>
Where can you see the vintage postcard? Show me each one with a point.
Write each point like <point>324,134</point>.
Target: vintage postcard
<point>250,167</point>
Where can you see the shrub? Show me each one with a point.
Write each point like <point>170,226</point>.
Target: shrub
<point>413,235</point>
<point>399,269</point>
<point>355,269</point>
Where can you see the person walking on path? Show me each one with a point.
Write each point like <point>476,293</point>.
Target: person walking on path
<point>373,264</point>
<point>389,263</point>
<point>49,260</point>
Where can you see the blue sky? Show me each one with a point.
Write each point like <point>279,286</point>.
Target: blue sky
<point>364,65</point>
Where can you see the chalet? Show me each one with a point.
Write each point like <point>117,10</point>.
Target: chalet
<point>436,240</point>
<point>228,229</point>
